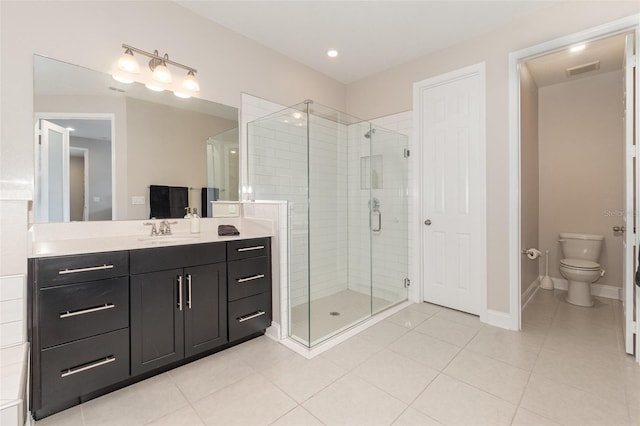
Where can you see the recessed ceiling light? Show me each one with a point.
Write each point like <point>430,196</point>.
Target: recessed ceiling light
<point>578,48</point>
<point>71,129</point>
<point>332,53</point>
<point>297,115</point>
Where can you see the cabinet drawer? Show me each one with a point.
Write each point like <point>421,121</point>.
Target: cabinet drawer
<point>164,258</point>
<point>82,267</point>
<point>248,277</point>
<point>243,249</point>
<point>76,311</point>
<point>249,315</point>
<point>84,366</point>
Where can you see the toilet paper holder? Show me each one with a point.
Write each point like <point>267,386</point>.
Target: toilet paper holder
<point>532,253</point>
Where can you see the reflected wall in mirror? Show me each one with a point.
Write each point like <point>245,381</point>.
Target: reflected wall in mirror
<point>126,140</point>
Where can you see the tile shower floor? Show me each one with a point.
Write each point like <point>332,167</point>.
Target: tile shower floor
<point>350,306</point>
<point>425,365</point>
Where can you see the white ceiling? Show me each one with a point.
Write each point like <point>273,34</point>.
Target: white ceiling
<point>371,36</point>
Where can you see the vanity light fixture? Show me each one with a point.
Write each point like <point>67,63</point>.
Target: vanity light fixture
<point>161,73</point>
<point>128,63</point>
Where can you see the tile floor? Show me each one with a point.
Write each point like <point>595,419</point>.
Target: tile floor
<point>423,366</point>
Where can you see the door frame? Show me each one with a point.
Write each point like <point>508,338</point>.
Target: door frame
<point>481,222</point>
<point>630,23</point>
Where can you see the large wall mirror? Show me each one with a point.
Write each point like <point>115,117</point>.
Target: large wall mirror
<point>105,150</point>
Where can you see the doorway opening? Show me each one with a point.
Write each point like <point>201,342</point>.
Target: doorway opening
<point>74,167</point>
<point>572,159</point>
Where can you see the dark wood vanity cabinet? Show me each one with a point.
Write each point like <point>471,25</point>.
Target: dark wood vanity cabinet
<point>176,312</point>
<point>104,320</point>
<point>78,326</point>
<point>249,286</point>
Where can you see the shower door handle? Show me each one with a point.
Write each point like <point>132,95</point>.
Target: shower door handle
<point>379,228</point>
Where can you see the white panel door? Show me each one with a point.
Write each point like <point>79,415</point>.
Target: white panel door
<point>451,131</point>
<point>631,208</point>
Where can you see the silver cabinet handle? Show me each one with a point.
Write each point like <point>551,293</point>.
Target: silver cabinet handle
<point>251,316</point>
<point>189,291</point>
<point>87,311</point>
<point>89,269</point>
<point>254,277</point>
<point>85,367</point>
<point>179,292</point>
<point>250,248</point>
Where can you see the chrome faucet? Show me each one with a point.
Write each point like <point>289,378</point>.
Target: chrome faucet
<point>165,227</point>
<point>154,230</point>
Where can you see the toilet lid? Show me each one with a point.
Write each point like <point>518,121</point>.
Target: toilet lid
<point>580,264</point>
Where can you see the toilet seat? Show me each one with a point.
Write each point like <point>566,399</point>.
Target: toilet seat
<point>580,264</point>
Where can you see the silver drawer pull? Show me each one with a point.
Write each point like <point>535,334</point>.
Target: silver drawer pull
<point>255,277</point>
<point>250,248</point>
<point>251,316</point>
<point>87,311</point>
<point>89,269</point>
<point>74,370</point>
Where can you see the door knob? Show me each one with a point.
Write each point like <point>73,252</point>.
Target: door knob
<point>618,229</point>
<point>427,222</point>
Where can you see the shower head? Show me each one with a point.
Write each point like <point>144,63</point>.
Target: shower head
<point>369,133</point>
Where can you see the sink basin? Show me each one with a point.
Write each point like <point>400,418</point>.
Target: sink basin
<point>167,239</point>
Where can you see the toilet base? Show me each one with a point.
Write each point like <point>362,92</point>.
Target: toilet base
<point>579,294</point>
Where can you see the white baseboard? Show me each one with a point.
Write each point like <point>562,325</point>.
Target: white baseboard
<point>600,290</point>
<point>273,332</point>
<point>500,319</point>
<point>528,294</point>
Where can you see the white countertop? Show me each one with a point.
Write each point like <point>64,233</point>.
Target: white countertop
<point>67,239</point>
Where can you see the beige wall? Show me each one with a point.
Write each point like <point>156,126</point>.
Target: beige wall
<point>167,146</point>
<point>528,176</point>
<point>391,91</point>
<point>581,166</point>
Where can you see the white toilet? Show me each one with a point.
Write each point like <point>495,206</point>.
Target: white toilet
<point>580,265</point>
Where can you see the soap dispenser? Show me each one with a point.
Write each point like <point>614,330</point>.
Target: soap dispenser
<point>195,221</point>
<point>187,212</point>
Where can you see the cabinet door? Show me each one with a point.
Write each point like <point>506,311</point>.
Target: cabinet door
<point>157,320</point>
<point>205,312</point>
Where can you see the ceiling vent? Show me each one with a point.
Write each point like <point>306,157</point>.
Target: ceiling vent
<point>581,69</point>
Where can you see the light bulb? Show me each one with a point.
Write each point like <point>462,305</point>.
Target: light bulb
<point>182,95</point>
<point>161,73</point>
<point>332,53</point>
<point>190,82</point>
<point>128,62</point>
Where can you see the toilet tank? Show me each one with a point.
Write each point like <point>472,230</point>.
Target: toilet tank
<point>581,246</point>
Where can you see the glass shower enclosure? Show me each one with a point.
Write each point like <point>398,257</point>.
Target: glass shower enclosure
<point>346,184</point>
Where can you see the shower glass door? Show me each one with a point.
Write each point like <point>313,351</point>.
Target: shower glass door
<point>388,216</point>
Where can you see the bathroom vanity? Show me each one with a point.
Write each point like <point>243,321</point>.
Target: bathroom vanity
<point>99,321</point>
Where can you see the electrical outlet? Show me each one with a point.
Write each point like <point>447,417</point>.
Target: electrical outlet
<point>137,200</point>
